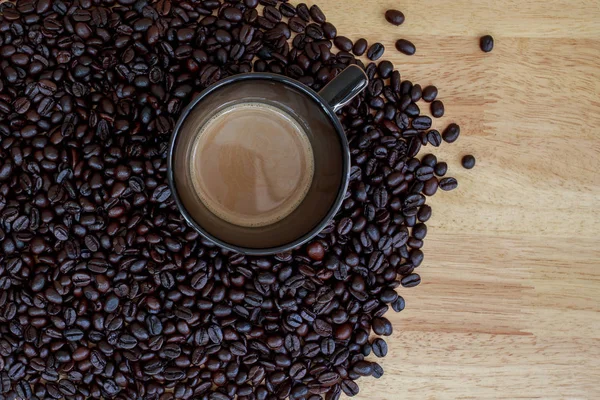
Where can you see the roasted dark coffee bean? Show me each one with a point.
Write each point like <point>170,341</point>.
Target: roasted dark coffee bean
<point>360,47</point>
<point>434,138</point>
<point>486,43</point>
<point>468,161</point>
<point>437,109</point>
<point>363,368</point>
<point>287,9</point>
<point>429,160</point>
<point>441,168</point>
<point>406,47</point>
<point>451,133</point>
<point>350,388</point>
<point>394,17</point>
<point>431,186</point>
<point>322,328</point>
<point>375,51</point>
<point>424,213</point>
<point>411,280</point>
<point>329,30</point>
<point>303,12</point>
<point>424,173</point>
<point>343,43</point>
<point>317,15</point>
<point>297,25</point>
<point>430,93</point>
<point>382,326</point>
<point>421,122</point>
<point>385,69</point>
<point>380,347</point>
<point>447,184</point>
<point>416,93</point>
<point>412,110</point>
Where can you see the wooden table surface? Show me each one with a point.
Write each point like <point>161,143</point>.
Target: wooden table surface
<point>509,306</point>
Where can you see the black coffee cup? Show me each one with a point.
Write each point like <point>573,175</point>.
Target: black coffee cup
<point>317,113</point>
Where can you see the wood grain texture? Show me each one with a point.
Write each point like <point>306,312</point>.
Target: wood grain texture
<point>509,306</point>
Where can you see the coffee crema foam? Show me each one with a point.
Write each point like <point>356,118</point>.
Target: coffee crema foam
<point>252,164</point>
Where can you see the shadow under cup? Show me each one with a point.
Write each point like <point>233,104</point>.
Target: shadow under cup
<point>331,163</point>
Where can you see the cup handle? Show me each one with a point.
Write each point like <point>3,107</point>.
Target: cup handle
<point>345,87</point>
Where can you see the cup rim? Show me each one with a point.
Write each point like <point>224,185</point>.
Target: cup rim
<point>327,110</point>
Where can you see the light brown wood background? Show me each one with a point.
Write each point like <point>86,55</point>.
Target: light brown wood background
<point>509,306</point>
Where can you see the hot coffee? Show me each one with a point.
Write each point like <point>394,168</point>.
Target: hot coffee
<point>252,164</point>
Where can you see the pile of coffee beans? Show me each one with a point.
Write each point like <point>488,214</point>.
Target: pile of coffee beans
<point>105,292</point>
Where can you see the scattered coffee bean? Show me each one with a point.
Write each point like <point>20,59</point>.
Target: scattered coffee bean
<point>437,109</point>
<point>429,160</point>
<point>486,43</point>
<point>430,93</point>
<point>406,47</point>
<point>394,17</point>
<point>451,133</point>
<point>434,138</point>
<point>441,168</point>
<point>360,47</point>
<point>448,184</point>
<point>468,161</point>
<point>375,52</point>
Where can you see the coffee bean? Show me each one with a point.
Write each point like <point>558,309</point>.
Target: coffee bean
<point>363,368</point>
<point>317,15</point>
<point>375,51</point>
<point>429,160</point>
<point>316,251</point>
<point>434,138</point>
<point>322,328</point>
<point>377,371</point>
<point>381,326</point>
<point>447,184</point>
<point>468,161</point>
<point>451,133</point>
<point>437,109</point>
<point>360,47</point>
<point>424,213</point>
<point>422,122</point>
<point>343,43</point>
<point>350,388</point>
<point>303,12</point>
<point>406,47</point>
<point>394,17</point>
<point>486,43</point>
<point>441,169</point>
<point>380,347</point>
<point>424,173</point>
<point>431,186</point>
<point>161,194</point>
<point>287,9</point>
<point>385,69</point>
<point>298,371</point>
<point>411,280</point>
<point>232,14</point>
<point>430,93</point>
